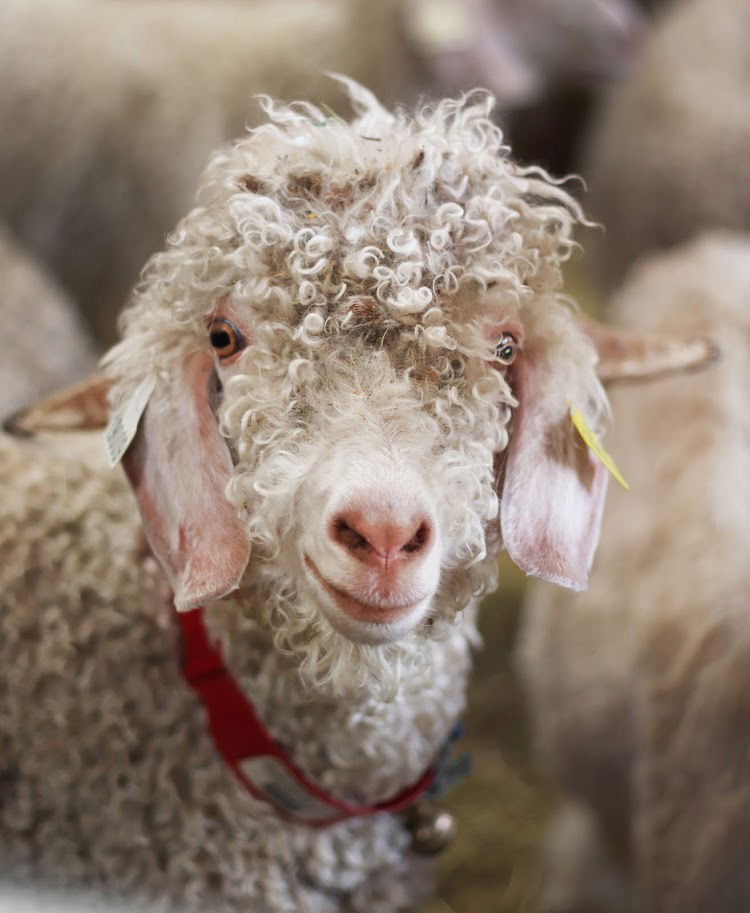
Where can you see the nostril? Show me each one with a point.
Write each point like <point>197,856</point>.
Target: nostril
<point>379,539</point>
<point>347,536</point>
<point>419,540</point>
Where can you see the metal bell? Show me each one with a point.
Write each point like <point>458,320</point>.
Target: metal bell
<point>432,828</point>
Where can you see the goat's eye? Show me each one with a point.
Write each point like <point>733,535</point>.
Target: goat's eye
<point>506,349</point>
<point>225,338</point>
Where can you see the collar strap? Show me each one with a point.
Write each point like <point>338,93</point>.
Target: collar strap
<point>255,758</point>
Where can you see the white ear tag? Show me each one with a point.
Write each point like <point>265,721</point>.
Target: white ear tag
<point>124,423</point>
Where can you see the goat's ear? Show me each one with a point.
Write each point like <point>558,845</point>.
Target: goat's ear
<point>628,356</point>
<point>82,407</point>
<point>553,488</point>
<point>179,465</point>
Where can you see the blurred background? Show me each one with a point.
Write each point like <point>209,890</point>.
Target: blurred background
<point>110,108</point>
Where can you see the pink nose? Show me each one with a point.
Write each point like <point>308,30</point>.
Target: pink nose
<point>378,539</point>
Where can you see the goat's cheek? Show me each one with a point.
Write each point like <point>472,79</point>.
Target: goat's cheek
<point>228,368</point>
<point>309,508</point>
<point>431,569</point>
<point>310,531</point>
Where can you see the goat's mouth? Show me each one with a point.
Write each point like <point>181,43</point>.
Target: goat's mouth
<point>384,621</point>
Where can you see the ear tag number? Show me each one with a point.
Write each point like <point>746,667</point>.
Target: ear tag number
<point>124,423</point>
<point>594,445</point>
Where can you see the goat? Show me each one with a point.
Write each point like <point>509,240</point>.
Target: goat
<point>638,688</point>
<point>344,361</point>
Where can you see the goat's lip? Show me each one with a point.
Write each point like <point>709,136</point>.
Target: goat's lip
<point>355,608</point>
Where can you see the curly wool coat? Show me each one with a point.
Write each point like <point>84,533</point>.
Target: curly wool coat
<point>109,777</point>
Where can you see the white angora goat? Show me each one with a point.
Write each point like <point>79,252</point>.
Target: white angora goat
<point>355,355</point>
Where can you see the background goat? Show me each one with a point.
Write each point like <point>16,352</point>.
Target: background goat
<point>639,687</point>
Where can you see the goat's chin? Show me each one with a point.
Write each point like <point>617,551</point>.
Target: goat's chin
<point>373,623</point>
<point>374,633</point>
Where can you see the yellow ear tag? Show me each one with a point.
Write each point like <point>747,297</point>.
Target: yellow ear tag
<point>594,445</point>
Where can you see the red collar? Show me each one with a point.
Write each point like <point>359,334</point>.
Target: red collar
<point>255,758</point>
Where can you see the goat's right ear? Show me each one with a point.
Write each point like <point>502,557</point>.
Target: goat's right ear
<point>82,407</point>
<point>178,466</point>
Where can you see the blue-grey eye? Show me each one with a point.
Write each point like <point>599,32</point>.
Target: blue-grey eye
<point>506,349</point>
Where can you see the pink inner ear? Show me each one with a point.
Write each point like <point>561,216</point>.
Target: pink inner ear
<point>179,466</point>
<point>554,489</point>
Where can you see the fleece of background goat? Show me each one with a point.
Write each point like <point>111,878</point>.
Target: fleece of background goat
<point>368,256</point>
<point>639,687</point>
<point>134,96</point>
<point>28,900</point>
<point>671,155</point>
<point>43,344</point>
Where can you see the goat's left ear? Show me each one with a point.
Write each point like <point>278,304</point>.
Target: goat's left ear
<point>553,486</point>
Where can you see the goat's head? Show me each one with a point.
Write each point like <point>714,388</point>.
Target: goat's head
<point>361,358</point>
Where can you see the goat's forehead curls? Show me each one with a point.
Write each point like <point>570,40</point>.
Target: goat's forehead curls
<point>416,225</point>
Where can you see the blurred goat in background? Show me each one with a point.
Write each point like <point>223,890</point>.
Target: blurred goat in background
<point>43,343</point>
<point>671,153</point>
<point>108,111</point>
<point>639,688</point>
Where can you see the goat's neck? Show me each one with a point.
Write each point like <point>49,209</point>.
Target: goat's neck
<point>357,746</point>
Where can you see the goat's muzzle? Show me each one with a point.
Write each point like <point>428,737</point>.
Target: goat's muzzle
<point>376,566</point>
